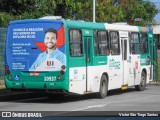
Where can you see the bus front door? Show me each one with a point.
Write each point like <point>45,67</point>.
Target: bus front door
<point>80,63</point>
<point>88,61</point>
<point>125,51</point>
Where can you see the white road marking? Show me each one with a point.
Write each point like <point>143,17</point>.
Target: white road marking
<point>61,113</point>
<point>89,107</point>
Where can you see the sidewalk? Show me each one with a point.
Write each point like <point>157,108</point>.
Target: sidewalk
<point>154,83</point>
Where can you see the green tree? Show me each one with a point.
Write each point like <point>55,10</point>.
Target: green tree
<point>110,11</point>
<point>142,9</point>
<point>106,10</point>
<point>25,9</point>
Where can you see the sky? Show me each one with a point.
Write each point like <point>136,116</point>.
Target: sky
<point>157,17</point>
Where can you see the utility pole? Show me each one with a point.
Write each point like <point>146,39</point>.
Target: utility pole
<point>94,11</point>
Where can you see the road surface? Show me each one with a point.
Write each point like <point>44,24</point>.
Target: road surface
<point>116,101</point>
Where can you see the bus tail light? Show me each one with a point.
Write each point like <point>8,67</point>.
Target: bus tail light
<point>63,67</point>
<point>6,67</point>
<point>62,72</point>
<point>7,72</point>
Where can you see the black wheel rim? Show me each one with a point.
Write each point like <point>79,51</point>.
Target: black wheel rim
<point>103,88</point>
<point>143,80</point>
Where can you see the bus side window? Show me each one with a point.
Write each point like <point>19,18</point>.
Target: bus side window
<point>95,42</point>
<point>102,42</point>
<point>135,43</point>
<point>75,42</point>
<point>114,43</point>
<point>143,43</point>
<point>130,47</point>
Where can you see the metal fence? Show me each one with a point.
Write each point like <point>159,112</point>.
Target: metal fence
<point>2,51</point>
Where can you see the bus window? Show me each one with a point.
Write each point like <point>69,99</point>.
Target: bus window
<point>143,43</point>
<point>102,42</point>
<point>130,50</point>
<point>114,43</point>
<point>135,45</point>
<point>75,42</point>
<point>95,42</point>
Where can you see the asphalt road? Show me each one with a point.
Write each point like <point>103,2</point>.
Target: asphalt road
<point>117,100</point>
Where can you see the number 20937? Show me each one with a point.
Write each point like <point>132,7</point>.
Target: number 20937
<point>49,78</point>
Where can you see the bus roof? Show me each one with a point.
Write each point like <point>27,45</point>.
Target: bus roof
<point>106,26</point>
<point>86,25</point>
<point>35,21</point>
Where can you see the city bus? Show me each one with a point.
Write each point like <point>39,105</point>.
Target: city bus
<point>68,56</point>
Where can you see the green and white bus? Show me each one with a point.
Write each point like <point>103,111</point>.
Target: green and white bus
<point>80,57</point>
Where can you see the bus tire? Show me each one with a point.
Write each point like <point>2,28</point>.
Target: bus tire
<point>142,84</point>
<point>103,88</point>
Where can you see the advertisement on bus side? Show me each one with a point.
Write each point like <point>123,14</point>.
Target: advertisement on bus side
<point>36,47</point>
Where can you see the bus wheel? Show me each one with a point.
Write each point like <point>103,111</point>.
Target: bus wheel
<point>103,88</point>
<point>142,85</point>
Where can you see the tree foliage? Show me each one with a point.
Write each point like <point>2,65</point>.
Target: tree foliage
<point>106,10</point>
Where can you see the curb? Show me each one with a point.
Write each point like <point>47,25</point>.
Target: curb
<point>154,83</point>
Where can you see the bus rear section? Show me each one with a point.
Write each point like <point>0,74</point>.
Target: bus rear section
<point>36,55</point>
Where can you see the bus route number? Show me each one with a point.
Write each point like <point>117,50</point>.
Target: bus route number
<point>49,78</point>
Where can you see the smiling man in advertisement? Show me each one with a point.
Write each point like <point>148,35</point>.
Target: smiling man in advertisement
<point>52,59</point>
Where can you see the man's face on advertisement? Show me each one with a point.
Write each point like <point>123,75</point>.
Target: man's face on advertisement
<point>50,40</point>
